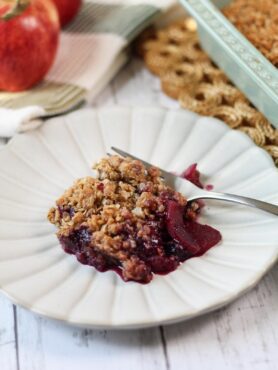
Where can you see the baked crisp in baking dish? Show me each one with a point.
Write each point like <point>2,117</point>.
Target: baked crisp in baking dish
<point>258,21</point>
<point>128,220</point>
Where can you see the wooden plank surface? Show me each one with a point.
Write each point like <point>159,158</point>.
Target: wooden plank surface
<point>2,142</point>
<point>50,345</point>
<point>8,343</point>
<point>243,335</point>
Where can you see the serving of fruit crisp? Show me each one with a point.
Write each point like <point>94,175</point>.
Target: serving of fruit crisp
<point>128,220</point>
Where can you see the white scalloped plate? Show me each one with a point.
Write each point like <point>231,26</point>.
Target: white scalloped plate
<point>36,167</point>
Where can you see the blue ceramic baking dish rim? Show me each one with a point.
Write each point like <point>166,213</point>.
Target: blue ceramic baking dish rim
<point>247,57</point>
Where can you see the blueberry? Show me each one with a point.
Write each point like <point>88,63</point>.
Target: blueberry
<point>172,248</point>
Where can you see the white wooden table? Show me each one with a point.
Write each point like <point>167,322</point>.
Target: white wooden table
<point>243,335</point>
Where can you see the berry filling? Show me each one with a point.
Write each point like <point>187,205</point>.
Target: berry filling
<point>193,175</point>
<point>175,227</point>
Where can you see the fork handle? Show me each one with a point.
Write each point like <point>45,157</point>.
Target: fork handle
<point>267,207</point>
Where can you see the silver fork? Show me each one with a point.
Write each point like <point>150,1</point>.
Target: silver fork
<point>186,187</point>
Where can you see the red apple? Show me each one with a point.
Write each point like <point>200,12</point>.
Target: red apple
<point>29,34</point>
<point>67,10</point>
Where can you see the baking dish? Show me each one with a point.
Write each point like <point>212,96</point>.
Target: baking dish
<point>247,68</point>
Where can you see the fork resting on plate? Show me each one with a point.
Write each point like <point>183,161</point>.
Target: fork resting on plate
<point>183,186</point>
